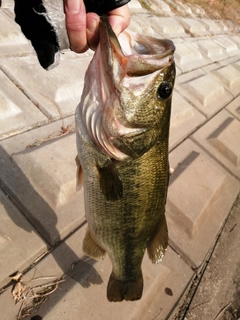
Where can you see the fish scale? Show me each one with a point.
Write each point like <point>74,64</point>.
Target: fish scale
<point>125,193</point>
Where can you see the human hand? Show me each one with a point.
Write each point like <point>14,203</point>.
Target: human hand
<point>82,27</point>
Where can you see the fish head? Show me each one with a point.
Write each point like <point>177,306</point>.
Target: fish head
<point>134,77</point>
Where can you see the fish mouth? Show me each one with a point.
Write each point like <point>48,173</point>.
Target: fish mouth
<point>147,54</point>
<point>141,55</point>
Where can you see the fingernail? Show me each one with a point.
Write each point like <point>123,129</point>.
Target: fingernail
<point>73,6</point>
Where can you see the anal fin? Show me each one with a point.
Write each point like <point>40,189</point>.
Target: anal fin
<point>110,182</point>
<point>157,246</point>
<point>91,248</point>
<point>129,289</point>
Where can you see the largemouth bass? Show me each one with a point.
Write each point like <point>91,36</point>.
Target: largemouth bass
<point>122,127</point>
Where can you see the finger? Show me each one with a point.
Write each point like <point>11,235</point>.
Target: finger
<point>76,24</point>
<point>92,30</point>
<point>119,19</point>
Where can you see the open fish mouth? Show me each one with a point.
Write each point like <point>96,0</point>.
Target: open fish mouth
<point>137,54</point>
<point>145,54</point>
<point>129,63</point>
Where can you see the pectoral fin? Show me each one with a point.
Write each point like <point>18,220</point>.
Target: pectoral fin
<point>110,182</point>
<point>79,175</point>
<point>157,246</point>
<point>91,248</point>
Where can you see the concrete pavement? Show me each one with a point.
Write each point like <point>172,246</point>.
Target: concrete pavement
<point>215,292</point>
<point>42,214</point>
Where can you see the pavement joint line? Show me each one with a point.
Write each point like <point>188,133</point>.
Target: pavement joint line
<point>213,157</point>
<point>43,256</point>
<point>18,86</point>
<point>199,273</point>
<point>199,110</point>
<point>190,135</point>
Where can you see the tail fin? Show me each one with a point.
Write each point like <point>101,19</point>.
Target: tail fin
<point>130,289</point>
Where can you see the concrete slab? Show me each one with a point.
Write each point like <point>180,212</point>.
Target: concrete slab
<point>206,92</point>
<point>230,77</point>
<point>237,64</point>
<point>136,24</point>
<point>16,253</point>
<point>35,137</point>
<point>211,67</point>
<point>42,180</point>
<point>200,196</point>
<point>193,26</point>
<point>56,92</point>
<point>233,60</point>
<point>220,137</point>
<point>7,304</point>
<point>236,39</point>
<point>188,77</point>
<point>184,119</point>
<point>188,57</point>
<point>158,6</point>
<point>234,108</point>
<point>212,26</point>
<point>17,112</point>
<point>229,46</point>
<point>11,309</point>
<point>167,27</point>
<point>12,40</point>
<point>178,72</point>
<point>217,296</point>
<point>212,49</point>
<point>87,281</point>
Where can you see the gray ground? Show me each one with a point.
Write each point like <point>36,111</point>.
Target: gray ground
<point>217,296</point>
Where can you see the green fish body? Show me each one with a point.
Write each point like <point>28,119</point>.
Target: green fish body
<point>122,127</point>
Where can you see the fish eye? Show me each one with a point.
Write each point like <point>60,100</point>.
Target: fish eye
<point>164,90</point>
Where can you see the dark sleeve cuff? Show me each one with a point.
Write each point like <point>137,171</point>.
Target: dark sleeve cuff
<point>103,6</point>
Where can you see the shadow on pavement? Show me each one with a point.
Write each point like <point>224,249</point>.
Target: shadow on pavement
<point>14,183</point>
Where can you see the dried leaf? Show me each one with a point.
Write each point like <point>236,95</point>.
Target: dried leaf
<point>32,297</point>
<point>18,290</point>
